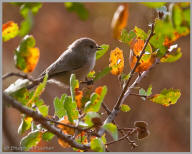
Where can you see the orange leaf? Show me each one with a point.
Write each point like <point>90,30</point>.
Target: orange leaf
<point>137,46</point>
<point>147,59</point>
<point>116,61</point>
<point>78,97</point>
<point>98,90</point>
<point>119,20</point>
<point>32,59</point>
<point>65,130</point>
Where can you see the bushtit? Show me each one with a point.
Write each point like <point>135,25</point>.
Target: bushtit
<point>79,59</point>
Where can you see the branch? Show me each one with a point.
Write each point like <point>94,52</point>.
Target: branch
<point>24,76</point>
<point>126,90</point>
<point>43,121</point>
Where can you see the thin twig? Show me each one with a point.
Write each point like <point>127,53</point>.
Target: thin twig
<point>123,137</point>
<point>134,94</point>
<point>120,139</point>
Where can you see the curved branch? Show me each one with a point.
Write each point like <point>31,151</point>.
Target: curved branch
<point>43,121</point>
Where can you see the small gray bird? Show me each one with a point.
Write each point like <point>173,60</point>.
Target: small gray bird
<point>78,59</point>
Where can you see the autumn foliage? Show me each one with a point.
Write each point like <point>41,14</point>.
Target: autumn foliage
<point>79,111</point>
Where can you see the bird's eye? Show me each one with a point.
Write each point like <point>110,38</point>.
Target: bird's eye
<point>91,46</point>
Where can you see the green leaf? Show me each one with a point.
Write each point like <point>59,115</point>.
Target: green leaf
<point>22,96</point>
<point>89,116</point>
<point>142,91</point>
<point>112,129</point>
<point>32,139</point>
<point>71,108</point>
<point>27,10</point>
<point>47,136</point>
<point>38,102</point>
<point>97,145</point>
<point>26,7</point>
<point>176,15</point>
<point>91,74</point>
<point>102,73</point>
<point>91,105</point>
<point>95,101</point>
<point>39,90</point>
<point>125,77</point>
<point>100,53</point>
<point>125,108</point>
<point>154,4</point>
<point>140,33</point>
<point>166,97</point>
<point>149,90</point>
<point>78,8</point>
<point>103,138</point>
<point>26,25</point>
<point>127,37</point>
<point>10,30</point>
<point>172,57</point>
<point>21,51</point>
<point>43,109</point>
<point>73,84</point>
<point>25,124</point>
<point>59,106</point>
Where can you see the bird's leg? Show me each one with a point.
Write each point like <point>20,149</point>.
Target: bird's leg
<point>87,81</point>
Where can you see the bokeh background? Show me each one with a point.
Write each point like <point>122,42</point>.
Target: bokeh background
<point>55,28</point>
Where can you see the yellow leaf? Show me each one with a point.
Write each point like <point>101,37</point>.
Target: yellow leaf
<point>32,59</point>
<point>119,20</point>
<point>116,61</point>
<point>9,30</point>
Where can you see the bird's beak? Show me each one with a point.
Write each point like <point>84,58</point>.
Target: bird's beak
<point>99,48</point>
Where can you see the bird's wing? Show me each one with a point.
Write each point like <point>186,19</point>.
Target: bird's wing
<point>65,63</point>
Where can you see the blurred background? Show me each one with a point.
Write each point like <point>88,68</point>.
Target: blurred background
<point>55,28</point>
